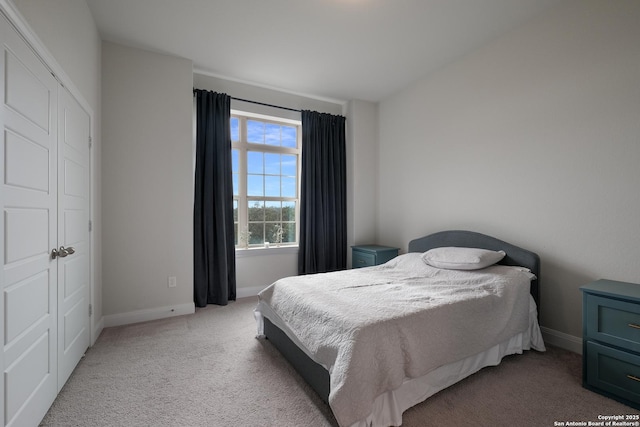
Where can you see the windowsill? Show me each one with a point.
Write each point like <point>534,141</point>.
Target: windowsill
<point>262,251</point>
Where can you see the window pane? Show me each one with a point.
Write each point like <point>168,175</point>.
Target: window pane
<point>255,162</point>
<point>272,211</point>
<point>235,234</point>
<point>288,211</point>
<point>235,161</point>
<point>288,186</point>
<point>288,232</point>
<point>272,186</point>
<point>235,126</point>
<point>255,132</point>
<point>272,164</point>
<point>236,184</point>
<point>255,185</point>
<point>256,210</point>
<point>257,233</point>
<point>272,134</point>
<point>271,232</point>
<point>289,165</point>
<point>289,138</point>
<point>235,166</point>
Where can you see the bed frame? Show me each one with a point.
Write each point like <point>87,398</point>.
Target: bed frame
<point>318,377</point>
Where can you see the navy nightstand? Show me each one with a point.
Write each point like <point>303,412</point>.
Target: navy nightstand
<point>370,255</point>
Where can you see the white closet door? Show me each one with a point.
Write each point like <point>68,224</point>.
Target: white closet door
<point>73,234</point>
<point>29,201</point>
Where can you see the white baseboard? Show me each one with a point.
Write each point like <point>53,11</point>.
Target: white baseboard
<point>163,312</point>
<point>148,314</point>
<point>562,340</point>
<point>249,291</point>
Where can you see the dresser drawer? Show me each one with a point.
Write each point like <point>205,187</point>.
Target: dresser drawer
<point>613,371</point>
<point>362,259</point>
<point>613,322</point>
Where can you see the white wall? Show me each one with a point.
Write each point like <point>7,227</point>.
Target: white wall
<point>362,172</point>
<point>67,30</point>
<point>147,183</point>
<point>534,139</point>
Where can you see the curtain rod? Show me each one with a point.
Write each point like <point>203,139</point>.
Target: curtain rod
<point>259,103</point>
<point>266,105</point>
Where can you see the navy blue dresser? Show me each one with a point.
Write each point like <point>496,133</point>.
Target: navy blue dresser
<point>611,340</point>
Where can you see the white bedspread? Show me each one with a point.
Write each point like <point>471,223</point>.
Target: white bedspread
<point>373,328</point>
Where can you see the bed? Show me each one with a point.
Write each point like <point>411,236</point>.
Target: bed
<point>373,342</point>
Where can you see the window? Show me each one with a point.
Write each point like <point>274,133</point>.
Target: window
<point>266,169</point>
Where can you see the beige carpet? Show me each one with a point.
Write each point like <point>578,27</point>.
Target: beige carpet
<point>208,369</point>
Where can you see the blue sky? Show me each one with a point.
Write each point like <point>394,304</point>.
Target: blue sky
<point>268,173</point>
<point>265,133</point>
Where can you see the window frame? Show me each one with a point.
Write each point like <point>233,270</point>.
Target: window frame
<point>242,198</point>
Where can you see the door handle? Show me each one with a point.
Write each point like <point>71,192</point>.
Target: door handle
<point>62,252</point>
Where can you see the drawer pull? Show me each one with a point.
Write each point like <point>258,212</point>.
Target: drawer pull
<point>633,325</point>
<point>633,377</point>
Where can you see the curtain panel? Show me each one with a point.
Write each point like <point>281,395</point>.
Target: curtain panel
<point>214,246</point>
<point>323,194</point>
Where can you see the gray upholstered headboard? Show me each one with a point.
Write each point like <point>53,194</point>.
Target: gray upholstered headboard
<point>471,239</point>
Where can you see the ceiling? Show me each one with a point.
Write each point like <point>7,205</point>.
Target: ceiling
<point>328,49</point>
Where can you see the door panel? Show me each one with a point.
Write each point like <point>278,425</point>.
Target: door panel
<point>75,228</point>
<point>28,193</point>
<point>26,375</point>
<point>34,292</point>
<point>74,178</point>
<point>74,279</point>
<point>27,163</point>
<point>26,233</point>
<point>73,231</point>
<point>74,324</point>
<point>26,93</point>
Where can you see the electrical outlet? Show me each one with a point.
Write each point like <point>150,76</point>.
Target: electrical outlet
<point>172,282</point>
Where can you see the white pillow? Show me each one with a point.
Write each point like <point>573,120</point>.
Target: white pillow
<point>453,258</point>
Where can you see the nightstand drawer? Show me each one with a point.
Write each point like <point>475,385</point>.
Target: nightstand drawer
<point>613,322</point>
<point>370,255</point>
<point>613,371</point>
<point>362,259</point>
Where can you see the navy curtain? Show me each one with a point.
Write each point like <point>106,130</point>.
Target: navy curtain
<point>323,194</point>
<point>214,270</point>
